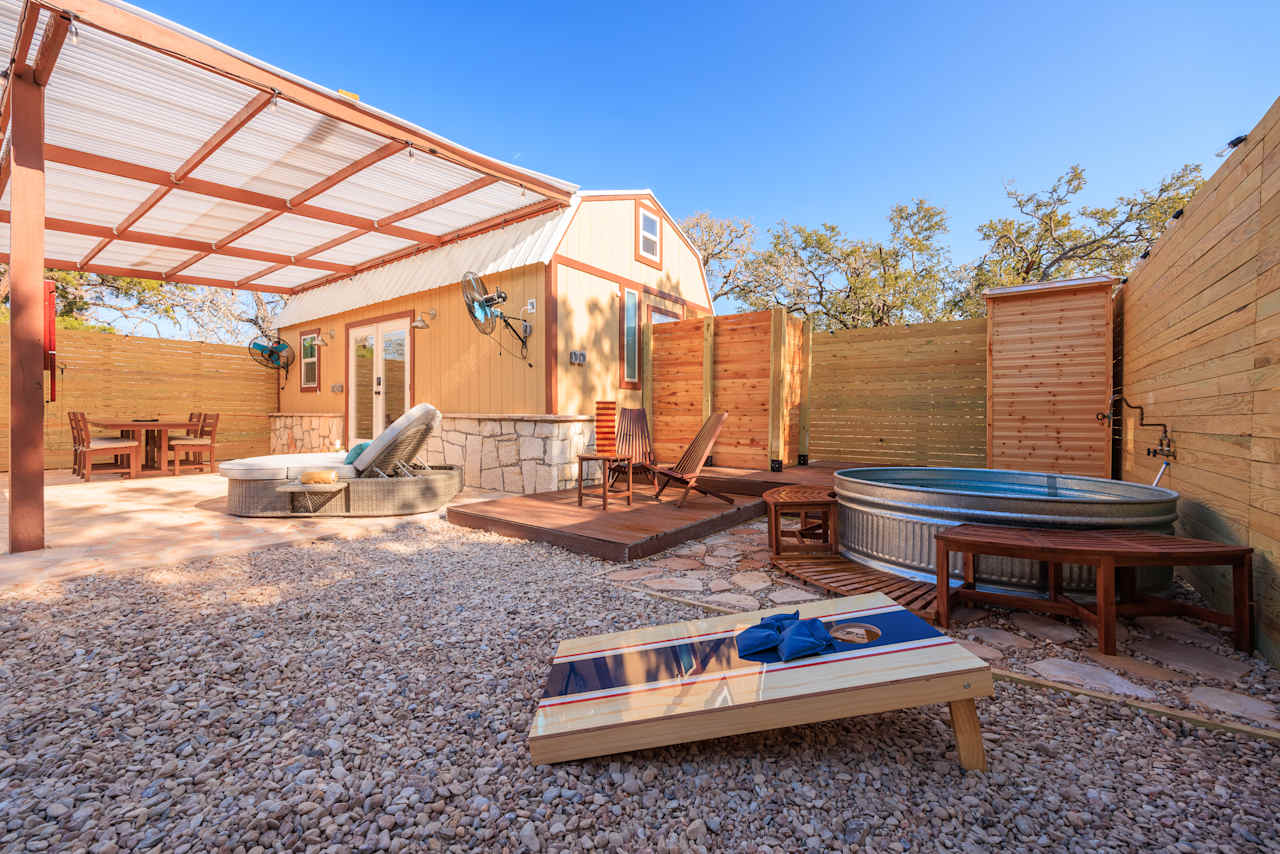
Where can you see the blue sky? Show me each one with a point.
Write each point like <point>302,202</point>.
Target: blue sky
<point>815,113</point>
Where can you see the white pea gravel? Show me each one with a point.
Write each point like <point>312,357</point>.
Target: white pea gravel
<point>375,694</point>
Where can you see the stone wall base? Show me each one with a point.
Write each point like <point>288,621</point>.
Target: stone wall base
<point>515,453</point>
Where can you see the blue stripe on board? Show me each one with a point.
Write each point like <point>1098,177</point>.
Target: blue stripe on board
<point>640,667</point>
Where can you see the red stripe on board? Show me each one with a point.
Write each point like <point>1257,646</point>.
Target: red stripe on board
<point>682,684</point>
<point>716,632</point>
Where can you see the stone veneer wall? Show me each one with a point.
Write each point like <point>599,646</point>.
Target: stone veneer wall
<point>304,432</point>
<point>515,453</point>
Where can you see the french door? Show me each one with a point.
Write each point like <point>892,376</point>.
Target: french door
<point>378,374</point>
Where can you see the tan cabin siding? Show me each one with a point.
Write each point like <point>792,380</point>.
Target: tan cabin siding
<point>602,235</point>
<point>1202,353</point>
<point>455,368</point>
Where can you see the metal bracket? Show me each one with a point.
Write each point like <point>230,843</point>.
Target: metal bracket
<point>775,465</point>
<point>802,460</point>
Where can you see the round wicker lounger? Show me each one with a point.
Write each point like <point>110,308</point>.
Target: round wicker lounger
<point>385,480</point>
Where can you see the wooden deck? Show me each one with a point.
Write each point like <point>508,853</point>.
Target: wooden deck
<point>846,578</point>
<point>647,526</point>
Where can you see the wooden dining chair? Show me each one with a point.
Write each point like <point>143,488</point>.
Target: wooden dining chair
<point>86,447</point>
<point>198,449</point>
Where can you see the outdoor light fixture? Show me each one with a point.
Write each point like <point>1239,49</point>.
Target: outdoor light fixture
<point>421,322</point>
<point>74,31</point>
<point>321,341</point>
<point>275,100</point>
<point>1232,145</point>
<point>410,151</point>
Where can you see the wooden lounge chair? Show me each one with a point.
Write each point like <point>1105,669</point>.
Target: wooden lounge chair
<point>199,448</point>
<point>87,447</point>
<point>633,441</point>
<point>686,471</point>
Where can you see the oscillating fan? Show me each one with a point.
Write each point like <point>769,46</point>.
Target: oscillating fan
<point>482,308</point>
<point>272,352</point>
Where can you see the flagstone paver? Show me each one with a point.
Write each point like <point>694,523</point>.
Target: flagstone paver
<point>751,581</point>
<point>1122,632</point>
<point>1234,703</point>
<point>1178,629</point>
<point>788,595</point>
<point>677,564</point>
<point>1192,659</point>
<point>737,601</point>
<point>675,583</point>
<point>986,653</point>
<point>634,574</point>
<point>1045,628</point>
<point>719,585</point>
<point>1000,637</point>
<point>1090,676</point>
<point>1137,667</point>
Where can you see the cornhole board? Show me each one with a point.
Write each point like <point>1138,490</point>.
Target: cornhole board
<point>685,682</point>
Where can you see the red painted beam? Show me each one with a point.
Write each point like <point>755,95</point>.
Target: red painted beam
<point>26,317</point>
<point>155,275</point>
<point>55,33</point>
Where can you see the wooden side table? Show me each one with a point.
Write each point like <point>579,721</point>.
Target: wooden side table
<point>816,508</point>
<point>607,462</point>
<point>1114,552</point>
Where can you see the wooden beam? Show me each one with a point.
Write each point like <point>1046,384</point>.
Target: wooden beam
<point>55,33</point>
<point>148,239</point>
<point>347,171</point>
<point>26,320</point>
<point>806,342</point>
<point>156,36</point>
<point>22,40</point>
<point>155,275</point>
<point>646,372</point>
<point>160,178</point>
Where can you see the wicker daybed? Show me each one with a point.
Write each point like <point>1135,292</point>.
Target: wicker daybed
<point>385,480</point>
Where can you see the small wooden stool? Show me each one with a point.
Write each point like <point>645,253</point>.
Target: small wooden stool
<point>814,536</point>
<point>607,461</point>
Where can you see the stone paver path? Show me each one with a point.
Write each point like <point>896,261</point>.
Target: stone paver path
<point>1192,659</point>
<point>1090,676</point>
<point>1234,703</point>
<point>1045,628</point>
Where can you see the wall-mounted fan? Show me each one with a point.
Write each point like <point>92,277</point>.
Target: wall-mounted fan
<point>272,352</point>
<point>483,309</point>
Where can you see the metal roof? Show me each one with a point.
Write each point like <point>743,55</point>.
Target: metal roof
<point>170,156</point>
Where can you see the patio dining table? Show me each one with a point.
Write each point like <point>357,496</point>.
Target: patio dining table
<point>155,432</point>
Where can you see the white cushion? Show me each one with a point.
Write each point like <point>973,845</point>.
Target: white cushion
<point>105,442</point>
<point>422,410</point>
<point>190,440</point>
<point>286,466</point>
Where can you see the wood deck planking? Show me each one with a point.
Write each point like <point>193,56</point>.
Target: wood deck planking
<point>846,578</point>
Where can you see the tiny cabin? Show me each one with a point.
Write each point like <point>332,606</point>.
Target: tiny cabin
<point>586,278</point>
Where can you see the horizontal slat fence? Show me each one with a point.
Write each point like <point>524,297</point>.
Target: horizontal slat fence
<point>900,395</point>
<point>130,377</point>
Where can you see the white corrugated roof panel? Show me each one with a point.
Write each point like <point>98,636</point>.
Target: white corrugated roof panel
<point>224,267</point>
<point>195,217</point>
<point>291,234</point>
<point>395,184</point>
<point>528,242</point>
<point>112,97</point>
<point>68,247</point>
<point>363,248</point>
<point>96,198</point>
<point>140,256</point>
<point>286,150</point>
<point>135,97</point>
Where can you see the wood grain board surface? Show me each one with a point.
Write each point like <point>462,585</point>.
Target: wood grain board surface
<point>685,681</point>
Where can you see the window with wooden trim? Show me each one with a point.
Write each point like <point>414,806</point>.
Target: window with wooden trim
<point>309,360</point>
<point>648,235</point>
<point>630,338</point>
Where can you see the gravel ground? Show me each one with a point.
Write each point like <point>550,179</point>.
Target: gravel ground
<point>375,694</point>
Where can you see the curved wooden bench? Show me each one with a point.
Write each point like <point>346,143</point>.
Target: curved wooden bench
<point>1112,552</point>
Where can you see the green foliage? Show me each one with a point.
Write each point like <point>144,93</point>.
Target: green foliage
<point>842,283</point>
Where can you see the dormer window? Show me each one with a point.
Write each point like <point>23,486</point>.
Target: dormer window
<point>648,235</point>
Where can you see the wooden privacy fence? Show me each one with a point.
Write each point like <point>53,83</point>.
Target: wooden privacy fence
<point>900,395</point>
<point>752,366</point>
<point>124,376</point>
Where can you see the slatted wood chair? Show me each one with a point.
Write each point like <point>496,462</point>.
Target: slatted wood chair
<point>634,441</point>
<point>122,451</point>
<point>686,471</point>
<point>198,449</point>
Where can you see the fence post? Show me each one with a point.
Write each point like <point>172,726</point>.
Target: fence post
<point>777,379</point>
<point>708,364</point>
<point>646,372</point>
<point>806,357</point>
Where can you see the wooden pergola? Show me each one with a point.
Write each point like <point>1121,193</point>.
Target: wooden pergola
<point>134,147</point>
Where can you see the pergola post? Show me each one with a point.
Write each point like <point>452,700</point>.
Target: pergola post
<point>26,315</point>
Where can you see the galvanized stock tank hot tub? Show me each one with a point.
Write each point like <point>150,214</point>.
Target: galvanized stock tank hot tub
<point>888,517</point>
